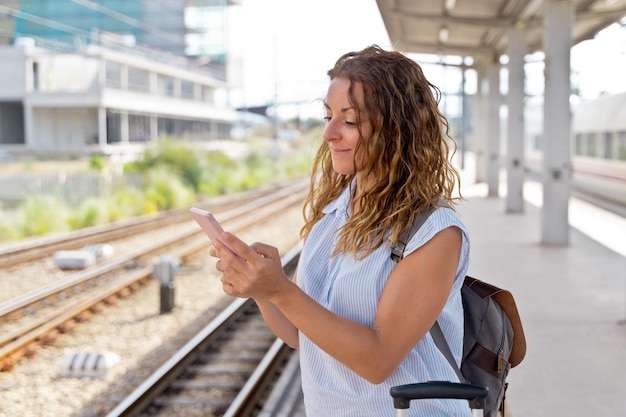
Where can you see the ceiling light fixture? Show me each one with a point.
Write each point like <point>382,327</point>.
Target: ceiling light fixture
<point>444,34</point>
<point>449,4</point>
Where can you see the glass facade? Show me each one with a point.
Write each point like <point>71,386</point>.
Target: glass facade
<point>206,35</point>
<point>72,22</point>
<point>192,28</point>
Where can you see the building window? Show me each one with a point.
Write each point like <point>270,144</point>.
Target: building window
<point>621,146</point>
<point>113,74</point>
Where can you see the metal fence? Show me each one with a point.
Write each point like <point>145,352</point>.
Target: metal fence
<point>72,188</point>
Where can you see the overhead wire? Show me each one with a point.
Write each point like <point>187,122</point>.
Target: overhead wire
<point>129,20</point>
<point>98,8</point>
<point>43,21</point>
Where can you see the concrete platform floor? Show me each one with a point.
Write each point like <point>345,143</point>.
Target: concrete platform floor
<point>572,300</point>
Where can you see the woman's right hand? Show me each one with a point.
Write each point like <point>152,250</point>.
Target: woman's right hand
<point>261,276</point>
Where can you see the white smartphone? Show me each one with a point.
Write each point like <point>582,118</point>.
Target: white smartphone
<point>211,227</point>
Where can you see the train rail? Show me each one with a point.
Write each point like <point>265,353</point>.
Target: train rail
<point>226,370</point>
<point>36,317</point>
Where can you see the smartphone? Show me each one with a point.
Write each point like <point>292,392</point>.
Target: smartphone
<point>211,227</point>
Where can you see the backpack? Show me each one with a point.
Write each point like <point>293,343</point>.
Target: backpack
<point>493,339</point>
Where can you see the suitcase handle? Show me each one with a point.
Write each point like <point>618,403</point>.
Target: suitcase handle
<point>403,394</point>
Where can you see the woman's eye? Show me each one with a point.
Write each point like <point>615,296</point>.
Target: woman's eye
<point>346,122</point>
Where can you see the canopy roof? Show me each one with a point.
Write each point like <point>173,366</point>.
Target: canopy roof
<point>478,28</point>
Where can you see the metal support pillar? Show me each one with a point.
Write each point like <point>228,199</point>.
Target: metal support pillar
<point>29,137</point>
<point>493,128</point>
<point>558,21</point>
<point>515,123</point>
<point>154,127</point>
<point>480,122</point>
<point>463,129</point>
<point>124,127</point>
<point>102,126</point>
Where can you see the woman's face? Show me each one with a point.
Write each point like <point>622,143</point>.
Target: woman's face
<point>341,133</point>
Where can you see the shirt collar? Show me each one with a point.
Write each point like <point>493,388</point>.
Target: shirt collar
<point>341,204</point>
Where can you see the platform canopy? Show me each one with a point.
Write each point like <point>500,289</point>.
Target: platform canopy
<point>478,28</point>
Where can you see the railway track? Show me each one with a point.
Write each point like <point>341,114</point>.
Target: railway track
<point>34,318</point>
<point>228,369</point>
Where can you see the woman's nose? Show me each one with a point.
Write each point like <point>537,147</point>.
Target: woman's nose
<point>330,131</point>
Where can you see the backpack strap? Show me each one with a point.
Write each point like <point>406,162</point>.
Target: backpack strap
<point>440,341</point>
<point>397,248</point>
<point>397,253</point>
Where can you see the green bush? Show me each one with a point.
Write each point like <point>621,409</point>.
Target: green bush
<point>166,190</point>
<point>127,202</point>
<point>255,177</point>
<point>41,215</point>
<point>7,230</point>
<point>215,182</point>
<point>179,157</point>
<point>299,164</point>
<point>91,212</point>
<point>97,162</point>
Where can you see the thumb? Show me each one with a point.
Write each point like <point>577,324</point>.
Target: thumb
<point>266,251</point>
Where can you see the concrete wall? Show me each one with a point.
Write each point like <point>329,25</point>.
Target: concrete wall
<point>68,129</point>
<point>67,73</point>
<point>12,74</point>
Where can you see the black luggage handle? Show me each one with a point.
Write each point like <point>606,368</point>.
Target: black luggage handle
<point>403,394</point>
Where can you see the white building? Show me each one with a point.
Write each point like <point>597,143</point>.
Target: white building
<point>104,101</point>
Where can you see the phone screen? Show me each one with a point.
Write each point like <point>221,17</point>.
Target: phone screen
<point>211,227</point>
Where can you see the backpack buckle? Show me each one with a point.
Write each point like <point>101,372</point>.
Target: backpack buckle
<point>500,361</point>
<point>397,251</point>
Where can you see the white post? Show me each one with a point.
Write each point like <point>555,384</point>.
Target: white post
<point>493,128</point>
<point>515,122</point>
<point>29,136</point>
<point>154,126</point>
<point>102,126</point>
<point>124,127</point>
<point>480,123</point>
<point>559,15</point>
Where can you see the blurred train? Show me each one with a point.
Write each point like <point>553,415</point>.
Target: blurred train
<point>598,145</point>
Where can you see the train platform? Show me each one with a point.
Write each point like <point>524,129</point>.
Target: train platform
<point>572,300</point>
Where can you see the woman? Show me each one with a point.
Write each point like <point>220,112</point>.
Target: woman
<point>360,320</point>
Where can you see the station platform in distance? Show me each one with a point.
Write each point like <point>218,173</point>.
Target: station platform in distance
<point>571,298</point>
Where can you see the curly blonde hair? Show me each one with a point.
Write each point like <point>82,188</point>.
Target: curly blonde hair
<point>406,158</point>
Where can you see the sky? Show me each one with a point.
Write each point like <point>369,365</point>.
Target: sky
<point>601,62</point>
<point>298,41</point>
<point>289,45</point>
